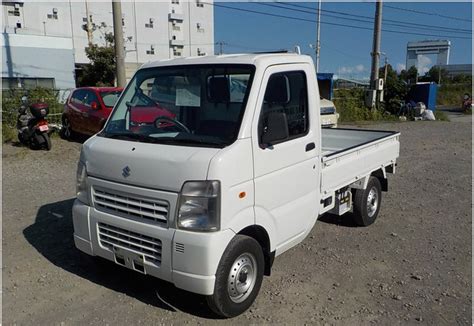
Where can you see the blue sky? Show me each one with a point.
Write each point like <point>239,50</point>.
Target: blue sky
<point>344,51</point>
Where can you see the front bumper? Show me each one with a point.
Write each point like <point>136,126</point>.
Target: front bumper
<point>329,120</point>
<point>189,260</point>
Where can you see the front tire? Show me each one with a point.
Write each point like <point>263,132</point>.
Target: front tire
<point>367,203</point>
<point>238,278</point>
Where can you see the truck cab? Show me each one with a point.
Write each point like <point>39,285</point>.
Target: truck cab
<point>207,197</point>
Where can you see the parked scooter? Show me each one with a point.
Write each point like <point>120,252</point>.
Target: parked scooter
<point>32,126</point>
<point>466,103</point>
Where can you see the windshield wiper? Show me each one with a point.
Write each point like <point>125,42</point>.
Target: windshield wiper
<point>126,136</point>
<point>188,141</point>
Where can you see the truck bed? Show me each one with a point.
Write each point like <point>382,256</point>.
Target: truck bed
<point>350,154</point>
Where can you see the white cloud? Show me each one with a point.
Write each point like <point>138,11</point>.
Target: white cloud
<point>359,68</point>
<point>351,70</point>
<point>424,64</point>
<point>400,67</point>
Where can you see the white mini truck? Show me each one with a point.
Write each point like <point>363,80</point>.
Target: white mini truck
<point>210,167</point>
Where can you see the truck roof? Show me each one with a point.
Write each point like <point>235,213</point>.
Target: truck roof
<point>253,59</point>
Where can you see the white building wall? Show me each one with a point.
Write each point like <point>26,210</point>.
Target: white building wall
<point>143,43</point>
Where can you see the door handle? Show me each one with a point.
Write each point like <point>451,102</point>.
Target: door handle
<point>310,146</point>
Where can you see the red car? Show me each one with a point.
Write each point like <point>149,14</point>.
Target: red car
<point>87,109</point>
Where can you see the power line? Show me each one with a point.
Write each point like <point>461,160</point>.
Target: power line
<point>428,13</point>
<point>366,19</point>
<point>328,23</point>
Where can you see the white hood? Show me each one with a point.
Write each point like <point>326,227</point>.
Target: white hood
<point>156,166</point>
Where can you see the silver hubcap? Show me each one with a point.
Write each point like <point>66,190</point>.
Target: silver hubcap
<point>242,277</point>
<point>67,128</point>
<point>372,201</point>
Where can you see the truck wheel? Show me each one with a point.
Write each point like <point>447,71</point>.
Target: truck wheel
<point>238,277</point>
<point>367,203</point>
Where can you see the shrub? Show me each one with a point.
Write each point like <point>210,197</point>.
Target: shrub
<point>11,101</point>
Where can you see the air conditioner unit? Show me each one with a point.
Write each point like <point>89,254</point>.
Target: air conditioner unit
<point>198,25</point>
<point>152,47</point>
<point>173,22</point>
<point>152,20</point>
<point>55,10</point>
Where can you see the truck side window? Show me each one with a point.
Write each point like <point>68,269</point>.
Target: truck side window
<point>287,93</point>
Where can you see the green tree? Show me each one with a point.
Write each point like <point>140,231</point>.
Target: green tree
<point>435,73</point>
<point>395,89</point>
<point>101,70</point>
<point>409,75</point>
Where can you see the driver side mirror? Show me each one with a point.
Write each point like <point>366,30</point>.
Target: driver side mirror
<point>94,106</point>
<point>274,129</point>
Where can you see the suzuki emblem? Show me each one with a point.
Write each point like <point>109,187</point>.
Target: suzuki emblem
<point>126,171</point>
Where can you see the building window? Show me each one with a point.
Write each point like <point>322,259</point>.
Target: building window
<point>14,12</point>
<point>176,28</point>
<point>151,51</point>
<point>53,14</point>
<point>27,83</point>
<point>123,21</point>
<point>199,3</point>
<point>84,19</point>
<point>150,23</point>
<point>200,52</point>
<point>173,37</point>
<point>199,28</point>
<point>176,53</point>
<point>176,2</point>
<point>18,25</point>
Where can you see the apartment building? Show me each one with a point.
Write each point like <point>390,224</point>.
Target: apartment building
<point>152,30</point>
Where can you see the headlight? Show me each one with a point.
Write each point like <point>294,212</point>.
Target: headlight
<point>199,206</point>
<point>81,185</point>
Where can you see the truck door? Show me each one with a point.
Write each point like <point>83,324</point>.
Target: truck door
<point>286,174</point>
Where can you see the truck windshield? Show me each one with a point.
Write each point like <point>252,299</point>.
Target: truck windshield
<point>195,105</point>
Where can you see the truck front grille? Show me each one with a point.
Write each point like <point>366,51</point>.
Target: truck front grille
<point>112,236</point>
<point>127,205</point>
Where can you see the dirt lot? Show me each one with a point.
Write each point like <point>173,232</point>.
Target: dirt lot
<point>413,266</point>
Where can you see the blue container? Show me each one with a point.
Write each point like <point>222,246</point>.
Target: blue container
<point>326,85</point>
<point>424,92</point>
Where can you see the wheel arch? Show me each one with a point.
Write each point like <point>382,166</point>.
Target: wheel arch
<point>382,176</point>
<point>259,233</point>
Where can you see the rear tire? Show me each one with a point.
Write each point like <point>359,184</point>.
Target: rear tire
<point>367,203</point>
<point>47,142</point>
<point>238,278</point>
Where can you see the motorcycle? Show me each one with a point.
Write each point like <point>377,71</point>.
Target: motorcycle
<point>32,126</point>
<point>466,103</point>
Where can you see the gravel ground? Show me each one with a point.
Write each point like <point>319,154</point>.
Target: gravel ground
<point>413,266</point>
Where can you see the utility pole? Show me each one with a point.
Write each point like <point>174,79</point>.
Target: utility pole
<point>118,40</point>
<point>318,36</point>
<point>221,46</point>
<point>374,75</point>
<point>88,25</point>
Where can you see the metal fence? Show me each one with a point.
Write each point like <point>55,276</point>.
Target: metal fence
<point>11,102</point>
